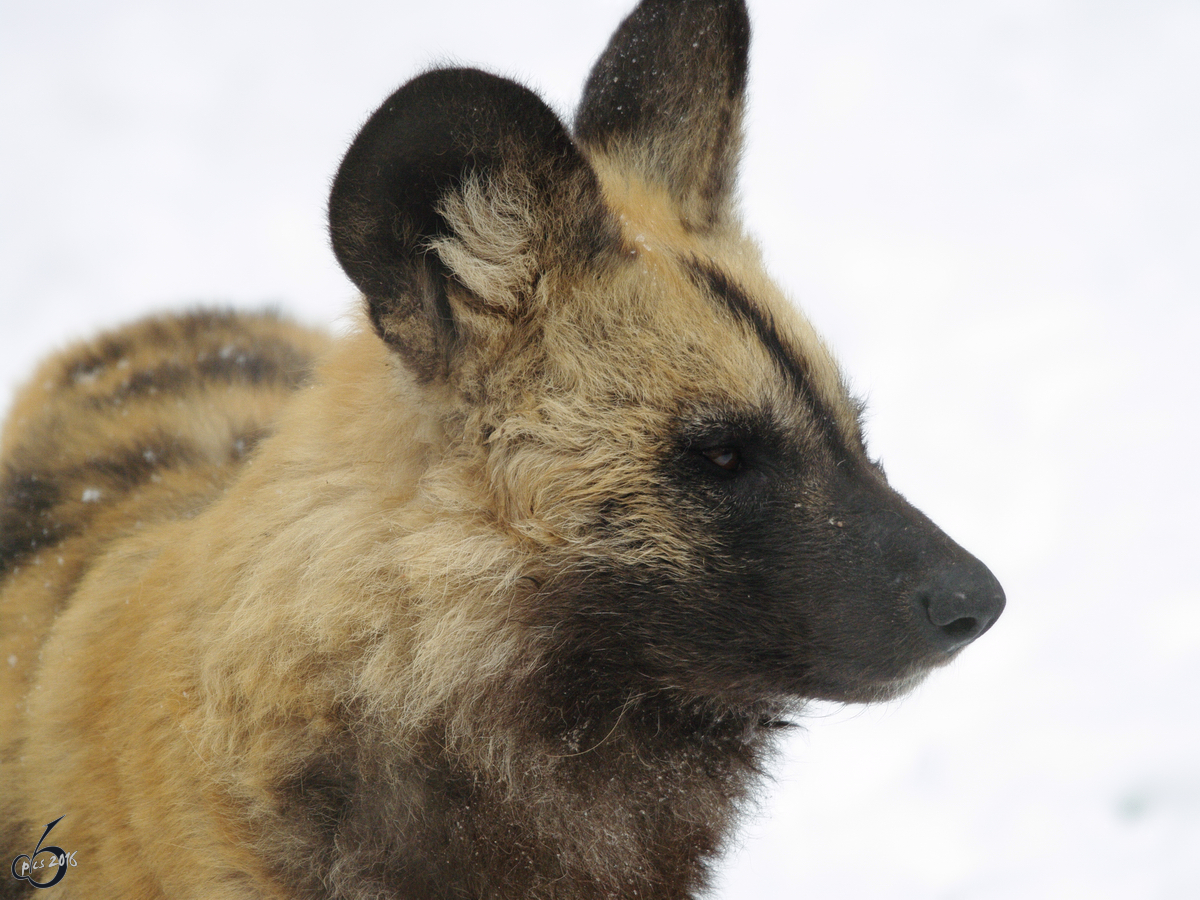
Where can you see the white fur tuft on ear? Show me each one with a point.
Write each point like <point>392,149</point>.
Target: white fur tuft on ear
<point>492,248</point>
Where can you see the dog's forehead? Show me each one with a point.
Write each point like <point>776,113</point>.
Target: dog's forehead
<point>699,315</point>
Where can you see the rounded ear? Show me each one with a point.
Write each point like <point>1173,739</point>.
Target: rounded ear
<point>433,160</point>
<point>666,98</point>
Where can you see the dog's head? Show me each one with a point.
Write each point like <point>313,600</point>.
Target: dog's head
<point>650,416</point>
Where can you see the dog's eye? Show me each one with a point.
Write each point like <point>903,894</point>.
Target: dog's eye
<point>727,459</point>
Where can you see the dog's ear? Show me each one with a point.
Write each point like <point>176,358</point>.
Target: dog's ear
<point>666,99</point>
<point>455,197</point>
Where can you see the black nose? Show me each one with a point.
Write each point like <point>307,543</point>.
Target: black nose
<point>959,603</point>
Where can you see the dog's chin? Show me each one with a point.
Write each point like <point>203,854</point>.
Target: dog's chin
<point>868,691</point>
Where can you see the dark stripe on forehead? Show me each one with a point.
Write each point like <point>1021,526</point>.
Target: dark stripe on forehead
<point>760,323</point>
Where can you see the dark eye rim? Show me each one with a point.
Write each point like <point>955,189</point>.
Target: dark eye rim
<point>726,458</point>
<point>726,446</point>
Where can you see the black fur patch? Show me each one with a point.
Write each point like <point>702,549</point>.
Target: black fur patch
<point>419,147</point>
<point>672,81</point>
<point>27,500</point>
<point>107,352</point>
<point>320,794</point>
<point>30,499</point>
<point>431,824</point>
<point>269,362</point>
<point>197,327</point>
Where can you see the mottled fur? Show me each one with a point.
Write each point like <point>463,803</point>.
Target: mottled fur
<point>505,595</point>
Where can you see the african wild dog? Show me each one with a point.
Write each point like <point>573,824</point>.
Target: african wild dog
<point>500,596</point>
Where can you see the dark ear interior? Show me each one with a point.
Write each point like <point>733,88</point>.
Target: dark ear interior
<point>668,93</point>
<point>421,146</point>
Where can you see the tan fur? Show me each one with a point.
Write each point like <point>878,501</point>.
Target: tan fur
<point>289,617</point>
<point>83,411</point>
<point>389,537</point>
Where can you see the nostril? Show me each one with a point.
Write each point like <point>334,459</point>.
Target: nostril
<point>965,628</point>
<point>945,624</point>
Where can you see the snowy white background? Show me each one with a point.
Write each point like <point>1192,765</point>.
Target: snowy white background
<point>991,209</point>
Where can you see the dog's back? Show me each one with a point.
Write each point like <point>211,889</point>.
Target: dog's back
<point>112,438</point>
